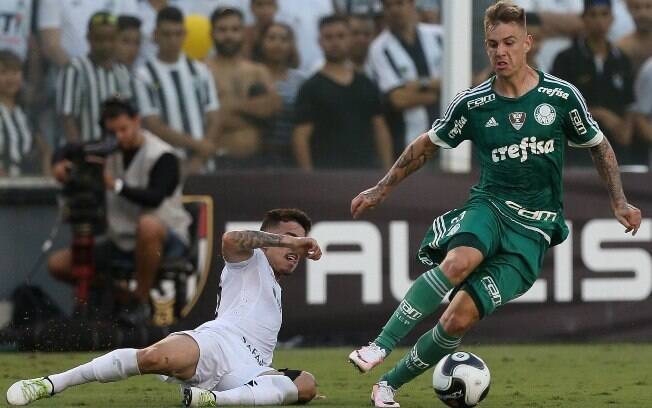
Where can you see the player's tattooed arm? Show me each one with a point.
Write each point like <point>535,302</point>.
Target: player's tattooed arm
<point>239,245</point>
<point>411,160</point>
<point>606,164</point>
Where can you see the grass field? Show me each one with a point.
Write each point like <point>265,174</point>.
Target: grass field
<point>586,376</point>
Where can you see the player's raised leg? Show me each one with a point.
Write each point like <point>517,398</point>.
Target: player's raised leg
<point>443,339</point>
<point>422,300</point>
<point>298,387</point>
<point>175,356</point>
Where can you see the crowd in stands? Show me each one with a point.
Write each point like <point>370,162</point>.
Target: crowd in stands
<point>317,84</point>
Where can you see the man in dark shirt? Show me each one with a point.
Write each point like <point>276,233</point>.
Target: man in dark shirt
<point>603,74</point>
<point>338,110</point>
<point>145,217</point>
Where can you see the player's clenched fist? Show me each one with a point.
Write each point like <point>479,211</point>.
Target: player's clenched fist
<point>306,247</point>
<point>367,199</point>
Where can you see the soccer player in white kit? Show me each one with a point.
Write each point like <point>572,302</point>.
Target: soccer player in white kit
<point>225,361</point>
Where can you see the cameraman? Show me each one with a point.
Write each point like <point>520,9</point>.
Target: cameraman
<point>145,217</point>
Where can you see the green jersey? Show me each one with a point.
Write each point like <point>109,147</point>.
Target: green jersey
<point>520,144</point>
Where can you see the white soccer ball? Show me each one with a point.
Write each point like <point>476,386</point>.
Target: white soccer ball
<point>461,380</point>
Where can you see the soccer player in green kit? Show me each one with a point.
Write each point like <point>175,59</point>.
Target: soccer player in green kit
<point>490,251</point>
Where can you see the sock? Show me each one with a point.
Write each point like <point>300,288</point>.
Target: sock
<point>422,299</point>
<point>116,365</point>
<point>430,348</point>
<point>263,390</point>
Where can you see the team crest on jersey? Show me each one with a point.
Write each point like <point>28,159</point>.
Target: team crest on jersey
<point>545,114</point>
<point>517,119</point>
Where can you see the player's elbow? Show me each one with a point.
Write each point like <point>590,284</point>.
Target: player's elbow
<point>306,387</point>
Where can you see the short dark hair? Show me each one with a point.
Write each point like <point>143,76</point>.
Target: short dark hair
<point>10,60</point>
<point>223,12</point>
<point>115,106</point>
<point>102,18</point>
<point>126,22</point>
<point>333,19</point>
<point>503,12</point>
<point>170,14</point>
<point>278,215</point>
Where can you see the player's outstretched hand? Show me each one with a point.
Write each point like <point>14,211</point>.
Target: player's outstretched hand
<point>367,199</point>
<point>630,217</point>
<point>306,247</point>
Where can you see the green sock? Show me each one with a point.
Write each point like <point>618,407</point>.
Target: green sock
<point>430,348</point>
<point>422,299</point>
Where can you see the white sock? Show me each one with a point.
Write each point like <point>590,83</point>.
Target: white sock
<point>266,390</point>
<point>116,365</point>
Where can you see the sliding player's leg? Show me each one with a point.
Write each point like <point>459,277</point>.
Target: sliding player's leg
<point>174,356</point>
<point>286,387</point>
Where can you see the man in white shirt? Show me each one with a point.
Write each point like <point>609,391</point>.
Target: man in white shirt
<point>226,361</point>
<point>406,61</point>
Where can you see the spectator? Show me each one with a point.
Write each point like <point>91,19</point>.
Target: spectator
<point>304,17</point>
<point>363,31</point>
<point>147,12</point>
<point>643,114</point>
<point>145,217</point>
<point>63,25</point>
<point>358,7</point>
<point>638,45</point>
<point>277,50</point>
<point>406,60</point>
<point>339,113</point>
<point>429,11</point>
<point>246,90</point>
<point>128,41</point>
<point>18,23</point>
<point>20,150</point>
<point>560,21</point>
<point>603,74</point>
<point>184,93</point>
<point>87,81</point>
<point>264,12</point>
<point>208,7</point>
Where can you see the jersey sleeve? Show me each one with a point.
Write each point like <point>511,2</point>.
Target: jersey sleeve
<point>242,264</point>
<point>580,127</point>
<point>454,127</point>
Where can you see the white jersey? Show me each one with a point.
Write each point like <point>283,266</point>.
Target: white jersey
<point>250,305</point>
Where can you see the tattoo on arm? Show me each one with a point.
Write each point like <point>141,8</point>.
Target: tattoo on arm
<point>248,240</point>
<point>410,161</point>
<point>605,162</point>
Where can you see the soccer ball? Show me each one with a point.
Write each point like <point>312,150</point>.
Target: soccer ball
<point>461,380</point>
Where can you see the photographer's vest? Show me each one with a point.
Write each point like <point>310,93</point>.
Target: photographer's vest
<point>123,214</point>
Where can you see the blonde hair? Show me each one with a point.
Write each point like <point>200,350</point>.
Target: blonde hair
<point>503,12</point>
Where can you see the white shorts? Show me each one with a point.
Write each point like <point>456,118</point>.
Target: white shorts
<point>224,360</point>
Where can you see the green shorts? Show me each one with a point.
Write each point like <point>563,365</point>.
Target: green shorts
<point>512,255</point>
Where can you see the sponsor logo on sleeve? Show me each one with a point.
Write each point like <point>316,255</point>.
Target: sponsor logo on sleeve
<point>577,122</point>
<point>474,103</point>
<point>457,129</point>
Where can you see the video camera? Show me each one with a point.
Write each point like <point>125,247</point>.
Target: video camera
<point>83,192</point>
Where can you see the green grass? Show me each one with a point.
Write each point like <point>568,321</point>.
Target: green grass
<point>586,376</point>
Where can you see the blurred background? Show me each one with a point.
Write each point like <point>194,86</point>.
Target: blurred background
<point>298,103</point>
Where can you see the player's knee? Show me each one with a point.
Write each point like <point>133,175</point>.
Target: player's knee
<point>152,361</point>
<point>456,267</point>
<point>58,267</point>
<point>150,228</point>
<point>306,387</point>
<point>457,323</point>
